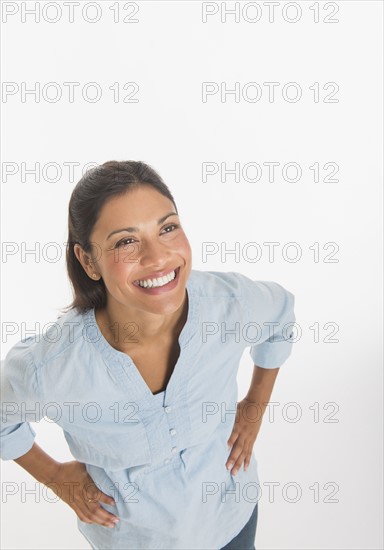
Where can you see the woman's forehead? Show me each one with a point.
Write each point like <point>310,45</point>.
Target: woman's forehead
<point>138,206</point>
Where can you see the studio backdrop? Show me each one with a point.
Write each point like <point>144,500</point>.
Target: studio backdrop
<point>265,121</point>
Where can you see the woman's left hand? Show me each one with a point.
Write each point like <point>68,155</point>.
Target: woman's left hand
<point>244,433</point>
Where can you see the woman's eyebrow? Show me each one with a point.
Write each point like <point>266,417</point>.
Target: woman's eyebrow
<point>136,229</point>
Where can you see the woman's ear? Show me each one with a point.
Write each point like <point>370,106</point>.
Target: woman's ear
<point>86,262</point>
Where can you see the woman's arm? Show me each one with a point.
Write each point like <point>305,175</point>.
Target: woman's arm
<point>248,420</point>
<point>71,482</point>
<point>261,387</point>
<point>39,464</point>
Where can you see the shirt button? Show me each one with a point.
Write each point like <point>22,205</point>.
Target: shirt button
<point>174,450</point>
<point>172,431</point>
<point>168,409</point>
<point>166,461</point>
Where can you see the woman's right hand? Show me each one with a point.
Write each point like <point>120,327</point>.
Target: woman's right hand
<point>75,486</point>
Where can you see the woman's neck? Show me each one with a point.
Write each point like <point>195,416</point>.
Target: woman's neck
<point>125,331</point>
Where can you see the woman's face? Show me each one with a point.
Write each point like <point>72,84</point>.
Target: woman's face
<point>138,236</point>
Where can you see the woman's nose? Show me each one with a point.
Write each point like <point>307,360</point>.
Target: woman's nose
<point>152,254</point>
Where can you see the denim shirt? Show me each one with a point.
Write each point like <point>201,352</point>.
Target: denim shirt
<point>160,456</point>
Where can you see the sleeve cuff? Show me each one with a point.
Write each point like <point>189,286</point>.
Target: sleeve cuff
<point>271,355</point>
<point>18,442</point>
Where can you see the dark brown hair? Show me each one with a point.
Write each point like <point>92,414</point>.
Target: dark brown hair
<point>111,179</point>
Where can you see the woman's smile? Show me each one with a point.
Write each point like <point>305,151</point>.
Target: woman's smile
<point>158,284</point>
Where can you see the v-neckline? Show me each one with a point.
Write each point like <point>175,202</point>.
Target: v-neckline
<point>113,355</point>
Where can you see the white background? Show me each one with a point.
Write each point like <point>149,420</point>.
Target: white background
<point>169,53</point>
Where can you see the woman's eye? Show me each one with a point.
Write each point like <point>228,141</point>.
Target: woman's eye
<point>172,225</point>
<point>124,242</point>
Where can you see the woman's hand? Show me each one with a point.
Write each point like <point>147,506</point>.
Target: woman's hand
<point>244,433</point>
<point>74,485</point>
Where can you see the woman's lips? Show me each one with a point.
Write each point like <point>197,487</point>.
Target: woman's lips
<point>157,275</point>
<point>160,289</point>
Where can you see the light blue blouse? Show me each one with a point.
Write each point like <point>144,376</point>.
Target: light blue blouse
<point>161,456</point>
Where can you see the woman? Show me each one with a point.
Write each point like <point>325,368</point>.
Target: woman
<point>140,373</point>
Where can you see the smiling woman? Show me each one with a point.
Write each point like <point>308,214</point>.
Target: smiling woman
<point>141,267</point>
<point>106,246</point>
<point>141,343</point>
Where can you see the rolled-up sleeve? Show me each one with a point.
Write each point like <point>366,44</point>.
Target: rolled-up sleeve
<point>20,402</point>
<point>275,312</point>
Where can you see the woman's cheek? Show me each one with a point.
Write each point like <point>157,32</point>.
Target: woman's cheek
<point>184,248</point>
<point>120,267</point>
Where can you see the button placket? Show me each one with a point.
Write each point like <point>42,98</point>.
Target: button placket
<point>172,432</point>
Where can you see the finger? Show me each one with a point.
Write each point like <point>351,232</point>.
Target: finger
<point>234,455</point>
<point>232,440</point>
<point>241,450</point>
<point>83,511</point>
<point>238,463</point>
<point>98,496</point>
<point>82,516</point>
<point>91,493</point>
<point>106,499</point>
<point>93,504</point>
<point>247,461</point>
<point>246,455</point>
<point>97,514</point>
<point>103,517</point>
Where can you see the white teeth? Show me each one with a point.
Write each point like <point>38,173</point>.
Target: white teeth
<point>161,281</point>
